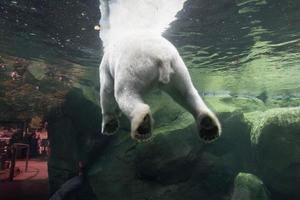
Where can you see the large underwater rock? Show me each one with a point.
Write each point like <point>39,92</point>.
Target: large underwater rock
<point>174,165</point>
<point>275,137</point>
<point>249,187</point>
<point>73,130</point>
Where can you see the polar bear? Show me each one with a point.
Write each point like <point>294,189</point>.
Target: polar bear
<point>136,62</point>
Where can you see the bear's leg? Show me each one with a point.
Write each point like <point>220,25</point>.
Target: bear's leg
<point>132,105</point>
<point>182,90</point>
<point>109,107</point>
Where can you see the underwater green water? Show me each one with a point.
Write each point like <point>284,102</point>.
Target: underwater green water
<point>244,48</point>
<point>247,48</point>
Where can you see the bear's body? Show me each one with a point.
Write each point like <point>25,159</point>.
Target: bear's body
<point>133,64</point>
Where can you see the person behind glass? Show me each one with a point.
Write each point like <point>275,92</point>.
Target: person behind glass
<point>70,185</point>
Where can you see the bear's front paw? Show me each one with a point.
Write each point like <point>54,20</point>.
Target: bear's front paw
<point>110,127</point>
<point>209,127</point>
<point>143,132</point>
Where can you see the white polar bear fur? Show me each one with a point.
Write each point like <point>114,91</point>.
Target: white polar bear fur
<point>138,62</point>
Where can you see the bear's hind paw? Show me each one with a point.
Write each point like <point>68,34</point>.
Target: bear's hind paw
<point>209,128</point>
<point>144,131</point>
<point>111,127</point>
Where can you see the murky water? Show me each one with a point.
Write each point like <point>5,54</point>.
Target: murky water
<point>243,47</point>
<point>240,47</point>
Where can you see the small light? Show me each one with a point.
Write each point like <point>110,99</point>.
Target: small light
<point>97,28</point>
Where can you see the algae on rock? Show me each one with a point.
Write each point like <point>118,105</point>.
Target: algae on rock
<point>249,187</point>
<point>275,137</point>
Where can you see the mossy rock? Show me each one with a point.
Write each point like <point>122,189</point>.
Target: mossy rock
<point>234,146</point>
<point>234,103</point>
<point>168,158</point>
<point>275,137</point>
<point>284,102</point>
<point>224,158</point>
<point>129,170</point>
<point>176,164</point>
<point>249,187</point>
